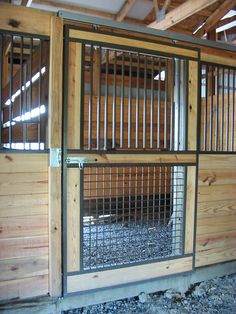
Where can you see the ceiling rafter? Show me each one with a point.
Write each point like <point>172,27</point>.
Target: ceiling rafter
<point>181,12</point>
<point>214,18</point>
<point>156,4</point>
<point>124,10</point>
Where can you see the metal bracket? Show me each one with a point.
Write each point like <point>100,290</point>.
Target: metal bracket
<point>55,157</point>
<point>80,161</point>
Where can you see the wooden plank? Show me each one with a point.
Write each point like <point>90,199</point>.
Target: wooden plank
<point>74,96</point>
<point>216,193</point>
<point>212,20</point>
<point>20,201</point>
<point>27,20</point>
<point>192,105</point>
<point>24,288</point>
<point>190,209</point>
<point>132,43</point>
<point>73,220</point>
<point>55,141</point>
<point>18,268</point>
<point>213,162</point>
<point>215,241</point>
<point>215,225</point>
<point>181,13</point>
<point>124,10</point>
<point>25,210</point>
<point>218,255</point>
<point>230,61</point>
<point>138,158</point>
<point>23,226</point>
<point>13,163</point>
<point>216,208</point>
<point>23,247</point>
<point>216,177</point>
<point>122,276</point>
<point>23,183</point>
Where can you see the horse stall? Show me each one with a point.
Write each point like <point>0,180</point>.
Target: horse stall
<point>117,160</point>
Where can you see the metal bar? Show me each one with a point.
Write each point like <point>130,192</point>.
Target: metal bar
<point>178,101</point>
<point>211,108</point>
<point>31,75</point>
<point>11,92</point>
<point>233,112</point>
<point>217,109</point>
<point>205,111</point>
<point>143,30</point>
<point>152,104</point>
<point>228,107</point>
<point>39,93</point>
<point>99,97</point>
<point>165,108</point>
<point>114,104</point>
<point>159,107</point>
<point>137,106</point>
<point>130,101</point>
<point>90,113</point>
<point>144,101</point>
<point>1,78</point>
<point>122,102</point>
<point>106,101</point>
<point>172,113</point>
<point>222,111</point>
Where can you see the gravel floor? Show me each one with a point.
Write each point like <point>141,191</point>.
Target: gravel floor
<point>217,296</point>
<point>115,244</point>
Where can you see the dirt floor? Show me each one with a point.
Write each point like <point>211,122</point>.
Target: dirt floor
<point>216,296</point>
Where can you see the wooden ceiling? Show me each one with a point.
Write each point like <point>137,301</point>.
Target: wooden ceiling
<point>199,18</point>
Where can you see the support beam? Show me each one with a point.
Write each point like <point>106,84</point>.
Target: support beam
<point>166,4</point>
<point>124,10</point>
<point>26,3</point>
<point>215,17</point>
<point>181,13</point>
<point>156,5</point>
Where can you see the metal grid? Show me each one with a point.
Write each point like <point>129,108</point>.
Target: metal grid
<point>132,214</point>
<point>133,100</point>
<point>218,108</point>
<point>24,69</point>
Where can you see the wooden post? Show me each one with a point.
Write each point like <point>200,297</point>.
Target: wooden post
<point>55,141</point>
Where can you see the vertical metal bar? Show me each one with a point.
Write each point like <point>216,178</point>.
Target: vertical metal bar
<point>233,111</point>
<point>142,194</point>
<point>144,101</point>
<point>39,93</point>
<point>228,107</point>
<point>211,108</point>
<point>159,195</point>
<point>152,104</point>
<point>165,191</point>
<point>99,97</point>
<point>148,192</point>
<point>154,196</point>
<point>21,74</point>
<point>159,107</point>
<point>166,104</point>
<point>130,101</point>
<point>136,195</point>
<point>222,111</point>
<point>217,109</point>
<point>205,111</point>
<point>114,104</point>
<point>1,72</point>
<point>178,101</point>
<point>122,101</point>
<point>90,113</point>
<point>11,92</point>
<point>137,105</point>
<point>31,74</point>
<point>106,100</point>
<point>172,113</point>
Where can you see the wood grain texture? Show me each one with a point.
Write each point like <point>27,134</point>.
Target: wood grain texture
<point>216,218</point>
<point>120,276</point>
<point>26,20</point>
<point>73,219</point>
<point>132,42</point>
<point>15,163</point>
<point>192,105</point>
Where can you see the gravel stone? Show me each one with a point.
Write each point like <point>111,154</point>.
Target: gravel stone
<point>216,296</point>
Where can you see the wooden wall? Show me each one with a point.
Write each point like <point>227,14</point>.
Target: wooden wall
<point>216,216</point>
<point>23,225</point>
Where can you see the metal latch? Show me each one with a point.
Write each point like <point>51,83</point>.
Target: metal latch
<point>80,161</point>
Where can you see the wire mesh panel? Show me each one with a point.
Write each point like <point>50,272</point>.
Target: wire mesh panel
<point>132,214</point>
<point>133,100</point>
<point>24,68</point>
<point>218,108</point>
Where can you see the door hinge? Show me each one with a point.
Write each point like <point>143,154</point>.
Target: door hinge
<point>55,157</point>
